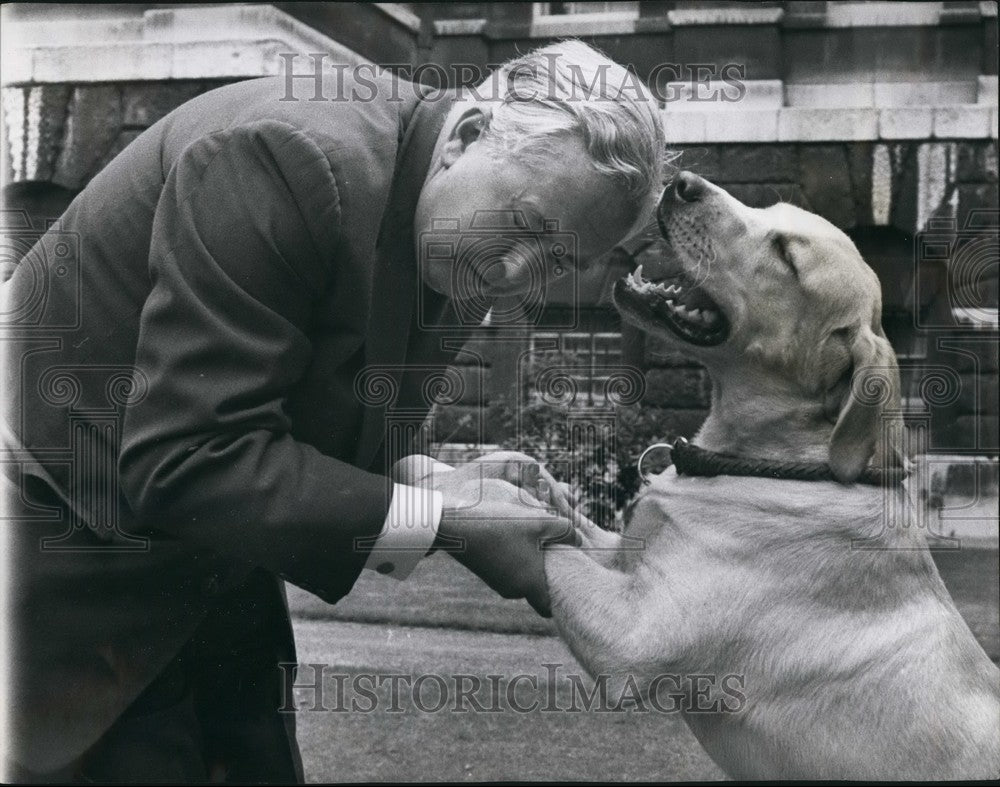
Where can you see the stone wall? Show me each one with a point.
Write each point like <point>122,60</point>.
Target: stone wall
<point>885,126</point>
<point>74,130</point>
<point>940,319</point>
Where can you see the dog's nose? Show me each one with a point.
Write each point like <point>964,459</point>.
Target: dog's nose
<point>689,187</point>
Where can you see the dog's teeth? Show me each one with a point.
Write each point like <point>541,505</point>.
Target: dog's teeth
<point>638,274</point>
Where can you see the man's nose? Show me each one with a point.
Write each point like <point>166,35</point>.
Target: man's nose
<point>690,187</point>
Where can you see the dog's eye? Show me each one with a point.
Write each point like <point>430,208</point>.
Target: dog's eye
<point>780,244</point>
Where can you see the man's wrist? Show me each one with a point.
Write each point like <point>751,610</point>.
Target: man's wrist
<point>408,532</point>
<point>418,470</point>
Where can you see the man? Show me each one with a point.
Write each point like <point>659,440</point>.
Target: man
<point>242,266</point>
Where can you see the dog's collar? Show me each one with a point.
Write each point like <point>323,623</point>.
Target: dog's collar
<point>689,459</point>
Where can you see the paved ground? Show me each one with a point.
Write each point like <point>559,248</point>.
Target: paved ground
<point>444,621</point>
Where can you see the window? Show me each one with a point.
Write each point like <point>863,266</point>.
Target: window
<point>564,9</point>
<point>588,358</point>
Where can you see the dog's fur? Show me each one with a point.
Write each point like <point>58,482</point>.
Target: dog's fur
<point>854,661</point>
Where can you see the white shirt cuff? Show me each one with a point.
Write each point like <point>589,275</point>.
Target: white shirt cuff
<point>409,531</point>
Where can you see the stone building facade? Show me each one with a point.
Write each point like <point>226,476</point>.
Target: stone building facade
<point>882,117</point>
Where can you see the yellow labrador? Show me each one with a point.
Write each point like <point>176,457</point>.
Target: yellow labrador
<point>851,658</point>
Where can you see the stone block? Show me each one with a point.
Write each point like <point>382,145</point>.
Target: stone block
<point>763,195</point>
<point>757,47</point>
<point>758,164</point>
<point>986,92</point>
<point>924,94</point>
<point>906,123</point>
<point>683,126</point>
<point>93,125</point>
<point>702,159</point>
<point>826,182</point>
<point>37,132</point>
<point>699,94</point>
<point>975,197</point>
<point>854,95</point>
<point>821,125</point>
<point>226,59</point>
<point>977,162</point>
<point>977,431</point>
<point>18,65</point>
<point>123,140</point>
<point>145,103</point>
<point>99,62</point>
<point>978,394</point>
<point>870,184</point>
<point>954,353</point>
<point>965,122</point>
<point>742,126</point>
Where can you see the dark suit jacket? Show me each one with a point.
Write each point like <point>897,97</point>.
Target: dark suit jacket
<point>181,370</point>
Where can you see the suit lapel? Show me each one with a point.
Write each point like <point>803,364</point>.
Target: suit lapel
<point>396,278</point>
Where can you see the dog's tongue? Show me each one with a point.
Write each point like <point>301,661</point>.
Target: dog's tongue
<point>664,264</point>
<point>694,298</point>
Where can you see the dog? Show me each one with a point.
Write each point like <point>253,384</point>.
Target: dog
<point>851,658</point>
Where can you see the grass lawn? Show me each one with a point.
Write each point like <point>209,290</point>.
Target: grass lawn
<point>419,745</point>
<point>445,621</point>
<point>440,593</point>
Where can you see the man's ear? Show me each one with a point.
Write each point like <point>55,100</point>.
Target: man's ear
<point>469,129</point>
<point>874,389</point>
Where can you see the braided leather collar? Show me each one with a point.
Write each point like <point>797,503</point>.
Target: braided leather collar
<point>691,460</point>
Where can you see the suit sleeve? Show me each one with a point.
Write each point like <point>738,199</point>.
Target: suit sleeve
<point>241,247</point>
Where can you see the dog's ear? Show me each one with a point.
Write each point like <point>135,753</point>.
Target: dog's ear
<point>874,388</point>
<point>834,372</point>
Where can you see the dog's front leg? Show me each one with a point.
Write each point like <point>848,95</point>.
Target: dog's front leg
<point>602,615</point>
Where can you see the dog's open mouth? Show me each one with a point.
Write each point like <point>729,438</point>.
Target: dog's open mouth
<point>686,309</point>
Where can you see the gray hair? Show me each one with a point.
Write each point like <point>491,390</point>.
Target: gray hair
<point>569,88</point>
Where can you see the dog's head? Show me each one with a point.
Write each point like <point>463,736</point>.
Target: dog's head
<point>777,295</point>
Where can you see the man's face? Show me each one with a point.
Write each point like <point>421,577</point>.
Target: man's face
<point>470,192</point>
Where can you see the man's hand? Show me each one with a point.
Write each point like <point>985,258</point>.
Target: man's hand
<point>526,473</point>
<point>499,532</point>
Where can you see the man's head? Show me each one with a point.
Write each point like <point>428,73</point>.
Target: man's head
<point>560,140</point>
